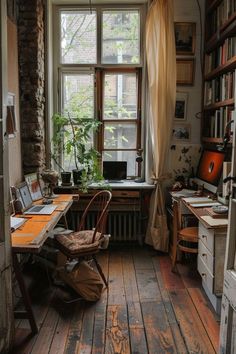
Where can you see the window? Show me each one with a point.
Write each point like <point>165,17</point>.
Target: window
<point>98,65</point>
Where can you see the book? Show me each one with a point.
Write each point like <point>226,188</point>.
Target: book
<point>17,222</point>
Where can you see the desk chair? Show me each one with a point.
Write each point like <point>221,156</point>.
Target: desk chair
<point>184,240</point>
<point>84,243</point>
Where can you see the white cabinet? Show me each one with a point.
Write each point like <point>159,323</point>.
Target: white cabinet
<point>211,256</point>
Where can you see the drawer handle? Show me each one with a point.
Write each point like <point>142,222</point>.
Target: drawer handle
<point>203,274</point>
<point>204,254</point>
<point>204,236</point>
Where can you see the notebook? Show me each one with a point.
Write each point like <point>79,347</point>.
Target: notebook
<point>115,171</point>
<point>27,203</point>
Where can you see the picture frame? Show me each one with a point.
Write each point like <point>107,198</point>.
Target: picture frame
<point>185,71</point>
<point>25,196</point>
<point>34,186</point>
<point>181,132</point>
<point>11,115</point>
<point>185,38</point>
<point>181,106</point>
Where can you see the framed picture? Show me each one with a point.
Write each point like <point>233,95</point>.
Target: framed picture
<point>181,132</point>
<point>34,186</point>
<point>181,106</point>
<point>25,195</point>
<point>185,38</point>
<point>185,71</point>
<point>11,115</point>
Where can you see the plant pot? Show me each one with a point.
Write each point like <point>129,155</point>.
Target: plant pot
<point>77,176</point>
<point>65,178</point>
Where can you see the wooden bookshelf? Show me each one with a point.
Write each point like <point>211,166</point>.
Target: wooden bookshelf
<point>219,69</point>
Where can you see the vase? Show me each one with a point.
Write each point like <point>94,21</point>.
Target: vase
<point>77,176</point>
<point>65,178</point>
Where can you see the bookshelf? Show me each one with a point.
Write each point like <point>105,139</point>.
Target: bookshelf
<point>219,68</point>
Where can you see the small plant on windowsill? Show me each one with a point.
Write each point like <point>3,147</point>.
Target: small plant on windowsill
<point>71,138</point>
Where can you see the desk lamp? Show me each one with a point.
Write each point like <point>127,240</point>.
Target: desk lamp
<point>139,161</point>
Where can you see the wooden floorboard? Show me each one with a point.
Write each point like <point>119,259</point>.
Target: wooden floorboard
<point>147,309</point>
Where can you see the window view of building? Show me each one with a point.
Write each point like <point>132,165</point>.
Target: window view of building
<point>99,74</point>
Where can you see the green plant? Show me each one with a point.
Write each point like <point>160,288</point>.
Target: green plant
<point>72,140</point>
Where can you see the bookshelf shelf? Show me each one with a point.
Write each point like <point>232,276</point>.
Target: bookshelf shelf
<point>219,69</point>
<point>216,105</point>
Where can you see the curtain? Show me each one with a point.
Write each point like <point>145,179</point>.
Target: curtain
<point>161,67</point>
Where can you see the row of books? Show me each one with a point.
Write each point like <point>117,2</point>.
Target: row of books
<point>219,89</point>
<point>221,14</point>
<point>221,55</point>
<point>214,124</point>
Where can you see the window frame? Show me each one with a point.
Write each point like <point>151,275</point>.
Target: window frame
<point>98,69</point>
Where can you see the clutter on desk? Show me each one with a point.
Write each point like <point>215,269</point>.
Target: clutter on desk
<point>214,222</point>
<point>17,222</point>
<point>214,215</point>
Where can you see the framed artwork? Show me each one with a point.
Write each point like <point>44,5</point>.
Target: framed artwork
<point>181,132</point>
<point>185,71</point>
<point>34,186</point>
<point>25,195</point>
<point>185,38</point>
<point>11,115</point>
<point>181,106</point>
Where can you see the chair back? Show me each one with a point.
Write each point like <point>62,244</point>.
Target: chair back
<point>98,204</point>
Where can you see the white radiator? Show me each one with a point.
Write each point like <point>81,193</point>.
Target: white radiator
<point>121,225</point>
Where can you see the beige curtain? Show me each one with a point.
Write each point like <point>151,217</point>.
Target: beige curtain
<point>161,66</point>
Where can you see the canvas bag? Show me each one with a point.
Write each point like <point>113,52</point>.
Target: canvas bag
<point>84,280</point>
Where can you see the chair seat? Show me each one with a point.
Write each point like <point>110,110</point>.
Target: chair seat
<point>189,234</point>
<point>78,242</point>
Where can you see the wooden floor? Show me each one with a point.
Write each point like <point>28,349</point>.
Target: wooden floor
<point>147,309</point>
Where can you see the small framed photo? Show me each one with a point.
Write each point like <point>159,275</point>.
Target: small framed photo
<point>185,38</point>
<point>181,132</point>
<point>185,71</point>
<point>181,106</point>
<point>34,186</point>
<point>11,115</point>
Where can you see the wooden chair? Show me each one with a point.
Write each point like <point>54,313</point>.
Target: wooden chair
<point>184,240</point>
<point>85,243</point>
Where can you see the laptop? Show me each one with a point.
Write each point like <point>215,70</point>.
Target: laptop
<point>27,202</point>
<point>115,171</point>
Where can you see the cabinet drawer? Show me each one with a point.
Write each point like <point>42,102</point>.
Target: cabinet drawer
<point>207,237</point>
<point>206,256</point>
<point>205,274</point>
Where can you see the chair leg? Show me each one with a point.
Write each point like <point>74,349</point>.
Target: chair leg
<point>174,257</point>
<point>100,271</point>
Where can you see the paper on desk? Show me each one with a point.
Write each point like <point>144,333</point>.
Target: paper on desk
<point>198,200</point>
<point>203,205</point>
<point>214,222</point>
<point>17,222</point>
<point>183,193</point>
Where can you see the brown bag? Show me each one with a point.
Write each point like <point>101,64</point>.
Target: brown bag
<point>84,280</point>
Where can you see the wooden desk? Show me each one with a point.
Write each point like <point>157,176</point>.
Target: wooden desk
<point>29,238</point>
<point>211,252</point>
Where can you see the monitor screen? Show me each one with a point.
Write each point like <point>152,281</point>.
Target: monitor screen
<point>210,166</point>
<point>115,170</point>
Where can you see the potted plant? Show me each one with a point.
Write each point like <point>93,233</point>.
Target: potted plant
<point>72,138</point>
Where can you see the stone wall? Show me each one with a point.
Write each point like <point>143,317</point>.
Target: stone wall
<point>31,32</point>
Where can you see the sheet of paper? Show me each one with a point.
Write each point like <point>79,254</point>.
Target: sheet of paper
<point>198,200</point>
<point>183,193</point>
<point>203,205</point>
<point>17,222</point>
<point>214,222</point>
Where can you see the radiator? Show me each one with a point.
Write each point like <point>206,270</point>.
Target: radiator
<point>122,225</point>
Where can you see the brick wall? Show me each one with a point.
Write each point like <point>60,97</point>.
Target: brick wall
<point>31,32</point>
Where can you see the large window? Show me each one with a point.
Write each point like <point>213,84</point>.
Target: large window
<point>98,68</point>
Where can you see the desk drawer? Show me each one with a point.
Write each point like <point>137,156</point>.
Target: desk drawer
<point>206,256</point>
<point>207,237</point>
<point>205,274</point>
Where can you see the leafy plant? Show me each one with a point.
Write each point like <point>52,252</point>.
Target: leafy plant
<point>72,139</point>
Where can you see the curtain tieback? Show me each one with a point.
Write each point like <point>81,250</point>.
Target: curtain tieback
<point>159,180</point>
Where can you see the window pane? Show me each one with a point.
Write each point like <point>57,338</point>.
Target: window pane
<point>120,136</point>
<point>120,96</point>
<point>78,95</point>
<point>129,156</point>
<point>120,37</point>
<point>78,37</point>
